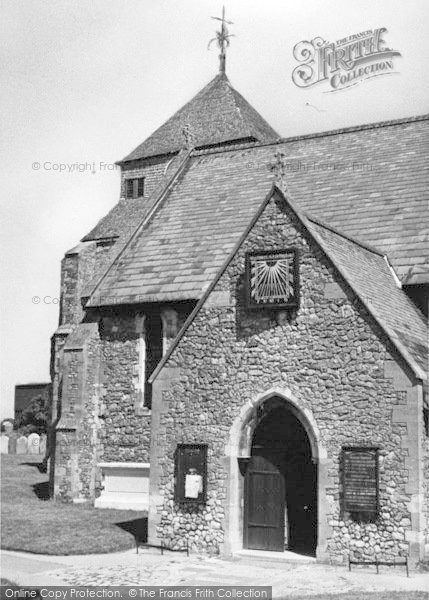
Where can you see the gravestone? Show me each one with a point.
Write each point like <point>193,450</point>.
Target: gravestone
<point>42,447</point>
<point>33,443</point>
<point>12,444</point>
<point>4,444</point>
<point>21,445</point>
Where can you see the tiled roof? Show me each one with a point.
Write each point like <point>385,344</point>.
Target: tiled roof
<point>370,276</point>
<point>370,183</point>
<point>217,114</point>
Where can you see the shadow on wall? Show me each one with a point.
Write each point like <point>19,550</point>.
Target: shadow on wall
<point>256,321</point>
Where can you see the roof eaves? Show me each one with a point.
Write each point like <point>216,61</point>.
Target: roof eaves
<point>130,162</point>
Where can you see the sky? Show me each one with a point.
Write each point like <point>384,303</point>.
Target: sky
<point>85,82</point>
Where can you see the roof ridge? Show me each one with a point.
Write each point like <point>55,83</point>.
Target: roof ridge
<point>343,235</point>
<point>161,195</point>
<point>329,132</point>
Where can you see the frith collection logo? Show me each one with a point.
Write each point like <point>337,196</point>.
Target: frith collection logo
<point>344,63</point>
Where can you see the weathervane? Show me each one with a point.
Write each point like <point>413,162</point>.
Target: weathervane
<point>222,39</point>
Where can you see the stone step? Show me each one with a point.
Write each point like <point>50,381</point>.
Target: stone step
<point>264,557</point>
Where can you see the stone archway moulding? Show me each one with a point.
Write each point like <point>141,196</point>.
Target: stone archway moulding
<point>239,445</point>
<point>241,433</point>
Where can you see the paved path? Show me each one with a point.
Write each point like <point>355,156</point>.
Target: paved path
<point>150,568</point>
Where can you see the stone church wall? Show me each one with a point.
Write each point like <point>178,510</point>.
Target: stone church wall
<point>335,360</point>
<point>124,419</point>
<point>124,431</point>
<point>100,421</point>
<point>76,432</point>
<point>104,418</point>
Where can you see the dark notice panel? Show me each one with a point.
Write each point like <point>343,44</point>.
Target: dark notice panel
<point>191,473</point>
<point>360,480</point>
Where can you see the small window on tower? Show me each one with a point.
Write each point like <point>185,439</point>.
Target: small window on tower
<point>140,187</point>
<point>130,188</point>
<point>135,187</point>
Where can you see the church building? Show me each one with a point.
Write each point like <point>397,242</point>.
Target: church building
<point>242,344</point>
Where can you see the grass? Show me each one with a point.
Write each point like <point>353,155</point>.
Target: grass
<point>33,524</point>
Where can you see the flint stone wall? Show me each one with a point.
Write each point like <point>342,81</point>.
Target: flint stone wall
<point>125,426</point>
<point>102,418</point>
<point>330,354</point>
<point>124,434</point>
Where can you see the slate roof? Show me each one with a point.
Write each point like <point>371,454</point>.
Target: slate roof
<point>128,223</point>
<point>123,216</point>
<point>370,275</point>
<point>373,189</point>
<point>217,114</point>
<point>180,251</point>
<point>379,192</point>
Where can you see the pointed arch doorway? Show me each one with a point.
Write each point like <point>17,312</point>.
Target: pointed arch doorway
<point>280,484</point>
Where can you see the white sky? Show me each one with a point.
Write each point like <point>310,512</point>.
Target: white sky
<point>87,81</point>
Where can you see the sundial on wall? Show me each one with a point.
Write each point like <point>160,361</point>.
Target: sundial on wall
<point>272,279</point>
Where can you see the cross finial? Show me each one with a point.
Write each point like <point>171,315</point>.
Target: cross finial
<point>188,136</point>
<point>222,39</point>
<point>279,170</point>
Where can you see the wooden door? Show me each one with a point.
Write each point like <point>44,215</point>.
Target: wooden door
<point>302,507</point>
<point>264,505</point>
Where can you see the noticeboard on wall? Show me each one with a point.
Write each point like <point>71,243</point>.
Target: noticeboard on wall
<point>191,473</point>
<point>360,492</point>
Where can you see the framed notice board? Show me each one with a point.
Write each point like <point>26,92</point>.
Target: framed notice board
<point>360,485</point>
<point>191,473</point>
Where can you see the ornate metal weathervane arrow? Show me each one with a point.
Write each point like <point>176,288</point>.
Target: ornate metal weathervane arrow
<point>222,39</point>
